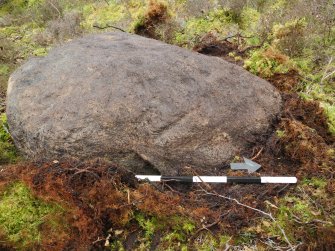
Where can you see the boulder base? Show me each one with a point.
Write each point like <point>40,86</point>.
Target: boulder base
<point>137,101</point>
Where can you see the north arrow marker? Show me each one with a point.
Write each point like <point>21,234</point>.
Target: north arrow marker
<point>248,164</point>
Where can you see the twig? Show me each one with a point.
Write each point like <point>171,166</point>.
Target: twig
<point>236,35</point>
<point>85,170</point>
<point>328,75</point>
<point>98,240</point>
<point>108,26</point>
<point>256,156</point>
<point>128,196</point>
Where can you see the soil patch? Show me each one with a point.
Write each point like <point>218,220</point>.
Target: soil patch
<point>285,82</point>
<point>309,113</point>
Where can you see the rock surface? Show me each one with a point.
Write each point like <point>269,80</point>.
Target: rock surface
<point>136,100</point>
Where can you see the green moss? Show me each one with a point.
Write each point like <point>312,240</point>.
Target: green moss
<point>280,133</point>
<point>116,245</point>
<point>40,52</point>
<point>268,61</point>
<point>315,182</point>
<point>245,238</point>
<point>101,15</point>
<point>219,21</point>
<point>23,40</point>
<point>175,230</point>
<point>181,228</point>
<point>4,69</point>
<point>148,224</point>
<point>136,10</point>
<point>210,242</point>
<point>330,112</point>
<point>8,152</point>
<point>17,7</point>
<point>295,211</point>
<point>250,20</point>
<point>21,215</point>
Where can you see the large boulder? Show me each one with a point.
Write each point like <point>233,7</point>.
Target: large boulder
<point>137,100</point>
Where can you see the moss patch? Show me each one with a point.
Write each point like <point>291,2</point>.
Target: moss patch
<point>8,152</point>
<point>268,61</point>
<point>21,216</point>
<point>220,21</point>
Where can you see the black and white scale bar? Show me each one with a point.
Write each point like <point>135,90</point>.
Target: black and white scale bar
<point>221,179</point>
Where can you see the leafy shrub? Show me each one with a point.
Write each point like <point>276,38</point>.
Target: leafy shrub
<point>7,52</point>
<point>290,37</point>
<point>249,20</point>
<point>60,29</point>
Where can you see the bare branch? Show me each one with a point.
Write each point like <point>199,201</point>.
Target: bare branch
<point>108,26</point>
<point>256,156</point>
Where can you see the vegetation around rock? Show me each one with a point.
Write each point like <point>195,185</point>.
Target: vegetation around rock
<point>67,204</point>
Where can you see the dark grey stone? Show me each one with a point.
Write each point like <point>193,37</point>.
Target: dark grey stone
<point>130,98</point>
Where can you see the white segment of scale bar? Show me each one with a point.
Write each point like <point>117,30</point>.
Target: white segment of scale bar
<point>286,180</point>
